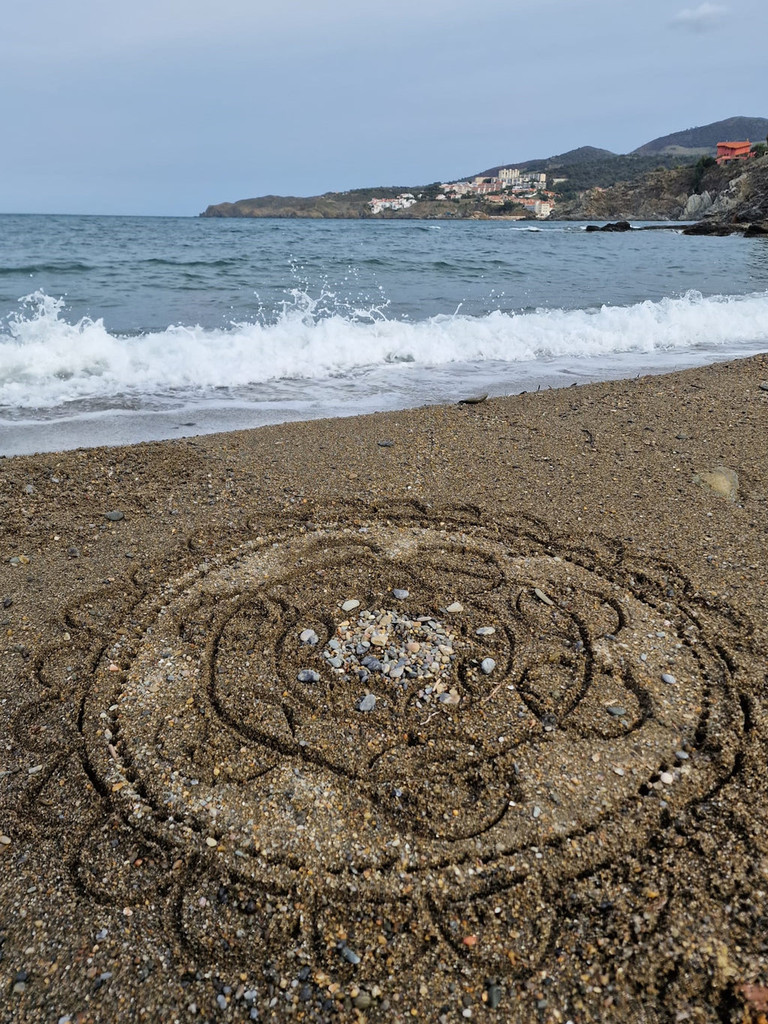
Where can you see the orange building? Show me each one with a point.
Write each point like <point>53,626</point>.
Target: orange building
<point>733,151</point>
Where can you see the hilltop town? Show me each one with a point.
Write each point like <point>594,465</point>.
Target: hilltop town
<point>512,192</point>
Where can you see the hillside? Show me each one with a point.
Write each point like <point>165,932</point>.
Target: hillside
<point>705,138</point>
<point>666,178</point>
<point>722,199</point>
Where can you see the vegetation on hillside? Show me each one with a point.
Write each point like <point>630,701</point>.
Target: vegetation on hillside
<point>707,136</point>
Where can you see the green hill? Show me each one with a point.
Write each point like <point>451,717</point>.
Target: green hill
<point>704,140</point>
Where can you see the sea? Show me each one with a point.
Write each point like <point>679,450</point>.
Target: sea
<point>115,330</point>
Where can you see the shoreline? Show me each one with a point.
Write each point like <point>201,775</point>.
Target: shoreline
<point>184,823</point>
<point>120,428</point>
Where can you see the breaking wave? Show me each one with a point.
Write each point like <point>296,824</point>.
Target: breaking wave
<point>47,362</point>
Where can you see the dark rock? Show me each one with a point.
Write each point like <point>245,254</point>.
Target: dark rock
<point>710,227</point>
<point>619,225</point>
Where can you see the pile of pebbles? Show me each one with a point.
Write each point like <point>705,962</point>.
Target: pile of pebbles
<point>384,645</point>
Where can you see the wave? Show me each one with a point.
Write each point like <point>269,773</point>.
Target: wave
<point>64,267</point>
<point>47,362</point>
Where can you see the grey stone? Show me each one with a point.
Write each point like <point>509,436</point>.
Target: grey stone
<point>114,516</point>
<point>308,675</point>
<point>487,665</point>
<point>367,703</point>
<point>494,995</point>
<point>400,594</point>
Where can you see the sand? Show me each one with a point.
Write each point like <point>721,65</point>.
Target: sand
<point>560,817</point>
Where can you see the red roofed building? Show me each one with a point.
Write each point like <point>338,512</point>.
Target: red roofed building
<point>733,151</point>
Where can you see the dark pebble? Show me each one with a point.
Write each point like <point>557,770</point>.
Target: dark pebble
<point>114,517</point>
<point>386,444</point>
<point>7,602</point>
<point>494,996</point>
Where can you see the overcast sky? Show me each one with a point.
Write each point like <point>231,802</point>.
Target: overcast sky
<point>165,106</point>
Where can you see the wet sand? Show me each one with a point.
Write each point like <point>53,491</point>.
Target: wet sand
<point>543,800</point>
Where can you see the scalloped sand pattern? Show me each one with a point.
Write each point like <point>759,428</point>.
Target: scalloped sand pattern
<point>282,827</point>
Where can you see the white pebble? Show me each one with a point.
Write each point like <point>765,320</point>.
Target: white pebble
<point>667,678</point>
<point>350,605</point>
<point>667,778</point>
<point>487,665</point>
<point>455,607</point>
<point>485,631</point>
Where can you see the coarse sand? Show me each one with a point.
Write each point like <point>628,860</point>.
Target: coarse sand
<point>451,714</point>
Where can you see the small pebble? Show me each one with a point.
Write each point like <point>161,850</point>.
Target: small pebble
<point>537,811</point>
<point>494,996</point>
<point>308,675</point>
<point>350,605</point>
<point>308,636</point>
<point>616,711</point>
<point>400,594</point>
<point>5,840</point>
<point>363,1000</point>
<point>367,703</point>
<point>667,678</point>
<point>763,385</point>
<point>667,778</point>
<point>386,443</point>
<point>487,665</point>
<point>485,631</point>
<point>542,596</point>
<point>210,841</point>
<point>115,516</point>
<point>350,955</point>
<point>455,607</point>
<point>681,755</point>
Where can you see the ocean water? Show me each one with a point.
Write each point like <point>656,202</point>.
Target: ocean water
<point>122,329</point>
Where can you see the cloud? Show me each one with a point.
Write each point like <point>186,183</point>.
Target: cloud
<point>701,18</point>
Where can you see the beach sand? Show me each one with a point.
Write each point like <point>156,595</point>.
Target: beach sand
<point>562,819</point>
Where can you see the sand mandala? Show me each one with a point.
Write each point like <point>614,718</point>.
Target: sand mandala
<point>388,723</point>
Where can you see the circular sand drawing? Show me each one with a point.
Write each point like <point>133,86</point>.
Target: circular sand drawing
<point>393,701</point>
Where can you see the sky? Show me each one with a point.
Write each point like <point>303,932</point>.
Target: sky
<point>161,107</point>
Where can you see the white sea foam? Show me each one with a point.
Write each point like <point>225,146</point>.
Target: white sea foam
<point>47,362</point>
